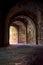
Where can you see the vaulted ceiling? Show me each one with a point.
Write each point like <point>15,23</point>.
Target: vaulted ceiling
<point>5,5</point>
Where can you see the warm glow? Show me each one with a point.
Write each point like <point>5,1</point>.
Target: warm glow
<point>13,35</point>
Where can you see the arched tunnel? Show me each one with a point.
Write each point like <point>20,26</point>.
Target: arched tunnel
<point>25,30</point>
<point>21,32</point>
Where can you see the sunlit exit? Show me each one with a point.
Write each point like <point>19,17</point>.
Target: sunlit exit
<point>13,35</point>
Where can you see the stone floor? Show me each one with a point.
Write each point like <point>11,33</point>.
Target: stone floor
<point>21,55</point>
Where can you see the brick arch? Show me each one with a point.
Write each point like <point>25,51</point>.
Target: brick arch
<point>24,13</point>
<point>16,12</point>
<point>26,21</point>
<point>21,28</point>
<point>29,14</point>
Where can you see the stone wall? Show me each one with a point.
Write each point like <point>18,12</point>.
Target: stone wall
<point>41,29</point>
<point>22,34</point>
<point>1,31</point>
<point>31,9</point>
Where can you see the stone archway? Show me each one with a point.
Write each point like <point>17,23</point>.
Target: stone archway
<point>21,31</point>
<point>27,29</point>
<point>30,29</point>
<point>27,14</point>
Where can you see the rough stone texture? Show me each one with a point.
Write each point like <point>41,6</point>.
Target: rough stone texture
<point>31,9</point>
<point>22,34</point>
<point>21,55</point>
<point>41,28</point>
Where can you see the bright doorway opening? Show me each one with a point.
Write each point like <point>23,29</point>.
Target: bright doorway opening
<point>13,35</point>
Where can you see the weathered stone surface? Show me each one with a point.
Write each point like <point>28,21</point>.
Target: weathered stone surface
<point>24,55</point>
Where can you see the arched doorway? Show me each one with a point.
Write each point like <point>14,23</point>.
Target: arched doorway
<point>13,35</point>
<point>16,11</point>
<point>27,29</point>
<point>21,32</point>
<point>18,31</point>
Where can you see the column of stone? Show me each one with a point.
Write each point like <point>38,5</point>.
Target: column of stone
<point>38,25</point>
<point>41,28</point>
